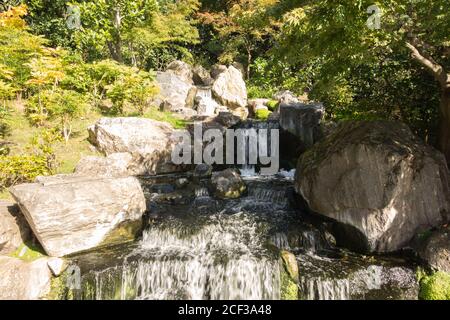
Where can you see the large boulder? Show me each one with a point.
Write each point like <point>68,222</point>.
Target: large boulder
<point>302,120</point>
<point>201,76</point>
<point>382,183</point>
<point>114,165</point>
<point>14,229</point>
<point>182,70</point>
<point>150,142</point>
<point>286,96</point>
<point>230,89</point>
<point>69,214</point>
<point>175,92</point>
<point>20,280</point>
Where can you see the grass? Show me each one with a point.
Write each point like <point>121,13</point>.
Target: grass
<point>28,252</point>
<point>67,154</point>
<point>164,116</point>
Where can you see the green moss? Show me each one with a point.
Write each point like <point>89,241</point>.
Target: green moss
<point>164,116</point>
<point>435,287</point>
<point>123,233</point>
<point>5,195</point>
<point>273,105</point>
<point>262,114</point>
<point>289,289</point>
<point>58,289</point>
<point>28,252</point>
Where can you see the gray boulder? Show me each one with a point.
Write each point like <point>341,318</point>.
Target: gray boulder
<point>114,165</point>
<point>182,70</point>
<point>379,181</point>
<point>70,214</point>
<point>217,69</point>
<point>201,76</point>
<point>175,92</point>
<point>14,229</point>
<point>149,142</point>
<point>227,184</point>
<point>20,280</point>
<point>230,89</point>
<point>286,97</point>
<point>302,120</point>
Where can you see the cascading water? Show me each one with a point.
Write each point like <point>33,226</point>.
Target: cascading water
<point>249,169</point>
<point>199,247</point>
<point>204,248</point>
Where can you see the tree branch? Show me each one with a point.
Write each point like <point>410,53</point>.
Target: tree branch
<point>436,69</point>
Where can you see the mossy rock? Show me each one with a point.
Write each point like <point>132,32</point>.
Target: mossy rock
<point>262,114</point>
<point>289,289</point>
<point>290,264</point>
<point>123,233</point>
<point>28,252</point>
<point>272,104</point>
<point>435,287</point>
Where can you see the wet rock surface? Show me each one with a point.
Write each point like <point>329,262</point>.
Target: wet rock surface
<point>375,178</point>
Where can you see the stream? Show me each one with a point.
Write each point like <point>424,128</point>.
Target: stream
<point>197,247</point>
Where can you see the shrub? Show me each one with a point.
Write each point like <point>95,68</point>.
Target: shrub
<point>435,287</point>
<point>40,161</point>
<point>273,105</point>
<point>262,114</point>
<point>21,168</point>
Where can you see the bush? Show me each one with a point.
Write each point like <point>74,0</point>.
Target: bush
<point>435,287</point>
<point>262,114</point>
<point>21,169</point>
<point>40,161</point>
<point>273,105</point>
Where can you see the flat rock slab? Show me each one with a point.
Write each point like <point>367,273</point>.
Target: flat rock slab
<point>73,214</point>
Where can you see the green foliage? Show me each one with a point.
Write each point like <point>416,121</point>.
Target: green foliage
<point>57,105</point>
<point>165,116</point>
<point>17,45</point>
<point>28,252</point>
<point>241,29</point>
<point>364,72</point>
<point>136,88</point>
<point>273,105</point>
<point>40,161</point>
<point>435,287</point>
<point>129,31</point>
<point>262,114</point>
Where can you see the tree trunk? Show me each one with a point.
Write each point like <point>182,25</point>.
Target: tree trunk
<point>443,78</point>
<point>249,62</point>
<point>115,49</point>
<point>444,123</point>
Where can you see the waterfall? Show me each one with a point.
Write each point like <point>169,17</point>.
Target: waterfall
<point>204,92</point>
<point>329,279</point>
<point>206,248</point>
<point>201,192</point>
<point>250,169</point>
<point>222,259</point>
